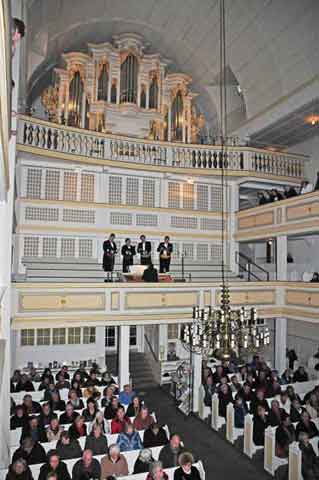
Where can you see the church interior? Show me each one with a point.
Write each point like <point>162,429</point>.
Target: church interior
<point>159,288</point>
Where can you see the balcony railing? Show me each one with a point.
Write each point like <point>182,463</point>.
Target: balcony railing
<point>78,142</point>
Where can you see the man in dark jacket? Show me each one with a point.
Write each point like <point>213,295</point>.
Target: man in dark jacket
<point>86,468</point>
<point>69,415</point>
<point>170,453</point>
<point>19,419</point>
<point>31,451</point>
<point>144,248</point>
<point>150,274</point>
<point>34,430</point>
<point>154,436</point>
<point>68,448</point>
<point>54,465</point>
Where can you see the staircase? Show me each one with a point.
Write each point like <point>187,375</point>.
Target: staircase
<point>141,372</point>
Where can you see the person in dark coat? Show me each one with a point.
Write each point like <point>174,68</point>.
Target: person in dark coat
<point>171,451</point>
<point>309,460</point>
<point>54,465</point>
<point>150,274</point>
<point>154,436</point>
<point>306,425</point>
<point>285,435</point>
<point>86,468</point>
<point>258,400</point>
<point>240,411</point>
<point>56,403</point>
<point>276,414</point>
<point>46,415</point>
<point>19,419</point>
<point>110,410</point>
<point>143,461</point>
<point>165,250</point>
<point>186,471</point>
<point>110,250</point>
<point>29,406</point>
<point>19,470</point>
<point>32,452</point>
<point>128,252</point>
<point>24,384</point>
<point>68,417</point>
<point>34,430</point>
<point>78,428</point>
<point>68,448</point>
<point>301,375</point>
<point>225,397</point>
<point>96,441</point>
<point>210,389</point>
<point>144,248</point>
<point>259,427</point>
<point>296,410</point>
<point>134,407</point>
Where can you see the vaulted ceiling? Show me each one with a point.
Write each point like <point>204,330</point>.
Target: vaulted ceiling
<point>273,45</point>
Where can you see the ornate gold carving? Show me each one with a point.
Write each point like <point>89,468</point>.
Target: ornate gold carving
<point>50,101</point>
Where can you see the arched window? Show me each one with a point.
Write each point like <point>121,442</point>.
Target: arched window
<point>113,92</point>
<point>103,83</point>
<point>75,100</point>
<point>177,112</point>
<point>153,101</point>
<point>143,98</point>
<point>129,73</point>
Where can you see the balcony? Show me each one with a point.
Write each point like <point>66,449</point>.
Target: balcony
<point>73,144</point>
<point>67,305</point>
<point>297,215</point>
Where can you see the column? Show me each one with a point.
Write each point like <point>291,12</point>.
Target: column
<point>124,352</point>
<point>162,342</point>
<point>281,323</point>
<point>197,379</point>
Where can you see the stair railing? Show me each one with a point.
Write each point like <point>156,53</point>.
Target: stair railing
<point>150,348</point>
<point>245,265</point>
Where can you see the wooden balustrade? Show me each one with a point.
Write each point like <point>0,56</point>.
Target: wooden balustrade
<point>79,142</point>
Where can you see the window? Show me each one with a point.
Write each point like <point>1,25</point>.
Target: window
<point>148,193</point>
<point>34,176</point>
<point>188,250</point>
<point>58,336</point>
<point>103,83</point>
<point>87,187</point>
<point>89,334</point>
<point>68,247</point>
<point>115,189</point>
<point>27,337</point>
<point>52,185</point>
<point>133,336</point>
<point>31,247</point>
<point>43,336</point>
<point>129,74</point>
<point>188,196</point>
<point>216,198</point>
<point>85,248</point>
<point>202,252</point>
<point>202,197</point>
<point>49,248</point>
<point>131,191</point>
<point>74,336</point>
<point>173,195</point>
<point>110,337</point>
<point>172,331</point>
<point>153,101</point>
<point>70,186</point>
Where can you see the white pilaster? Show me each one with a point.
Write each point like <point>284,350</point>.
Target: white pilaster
<point>281,255</point>
<point>281,323</point>
<point>162,342</point>
<point>197,379</point>
<point>124,350</point>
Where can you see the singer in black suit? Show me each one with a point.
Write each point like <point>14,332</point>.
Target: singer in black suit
<point>144,248</point>
<point>128,252</point>
<point>165,250</point>
<point>110,250</point>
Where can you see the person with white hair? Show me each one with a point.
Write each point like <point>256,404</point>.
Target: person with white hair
<point>143,461</point>
<point>113,464</point>
<point>157,472</point>
<point>99,420</point>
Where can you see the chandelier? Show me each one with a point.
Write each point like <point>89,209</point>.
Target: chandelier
<point>224,331</point>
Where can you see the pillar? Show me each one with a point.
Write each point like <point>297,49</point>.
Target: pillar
<point>124,353</point>
<point>197,379</point>
<point>281,323</point>
<point>162,342</point>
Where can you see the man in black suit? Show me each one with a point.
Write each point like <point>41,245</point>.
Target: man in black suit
<point>128,252</point>
<point>110,250</point>
<point>165,250</point>
<point>144,248</point>
<point>150,274</point>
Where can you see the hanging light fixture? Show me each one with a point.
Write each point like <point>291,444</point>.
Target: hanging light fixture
<point>224,331</point>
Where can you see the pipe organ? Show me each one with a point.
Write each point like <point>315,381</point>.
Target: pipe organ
<point>118,88</point>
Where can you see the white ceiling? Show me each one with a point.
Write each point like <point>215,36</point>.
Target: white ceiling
<point>273,45</point>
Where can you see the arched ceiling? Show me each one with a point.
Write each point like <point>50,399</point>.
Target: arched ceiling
<point>273,45</point>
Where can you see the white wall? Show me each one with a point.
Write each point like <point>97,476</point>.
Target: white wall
<point>309,147</point>
<point>303,337</point>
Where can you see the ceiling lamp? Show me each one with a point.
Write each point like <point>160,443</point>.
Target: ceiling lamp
<point>224,331</point>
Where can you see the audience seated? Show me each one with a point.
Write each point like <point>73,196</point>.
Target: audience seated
<point>134,407</point>
<point>24,384</point>
<point>170,452</point>
<point>309,462</point>
<point>143,461</point>
<point>75,400</point>
<point>157,472</point>
<point>54,465</point>
<point>258,401</point>
<point>29,406</point>
<point>301,375</point>
<point>19,419</point>
<point>108,393</point>
<point>260,425</point>
<point>90,411</point>
<point>286,377</point>
<point>87,467</point>
<point>68,448</point>
<point>113,464</point>
<point>225,397</point>
<point>96,441</point>
<point>19,470</point>
<point>306,425</point>
<point>210,389</point>
<point>143,420</point>
<point>56,403</point>
<point>126,395</point>
<point>285,435</point>
<point>34,430</point>
<point>101,422</point>
<point>118,423</point>
<point>46,415</point>
<point>32,452</point>
<point>54,430</point>
<point>69,415</point>
<point>154,436</point>
<point>312,405</point>
<point>111,409</point>
<point>78,428</point>
<point>275,414</point>
<point>129,439</point>
<point>306,187</point>
<point>186,470</point>
<point>240,411</point>
<point>296,410</point>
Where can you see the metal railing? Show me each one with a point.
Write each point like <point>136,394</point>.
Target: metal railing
<point>246,267</point>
